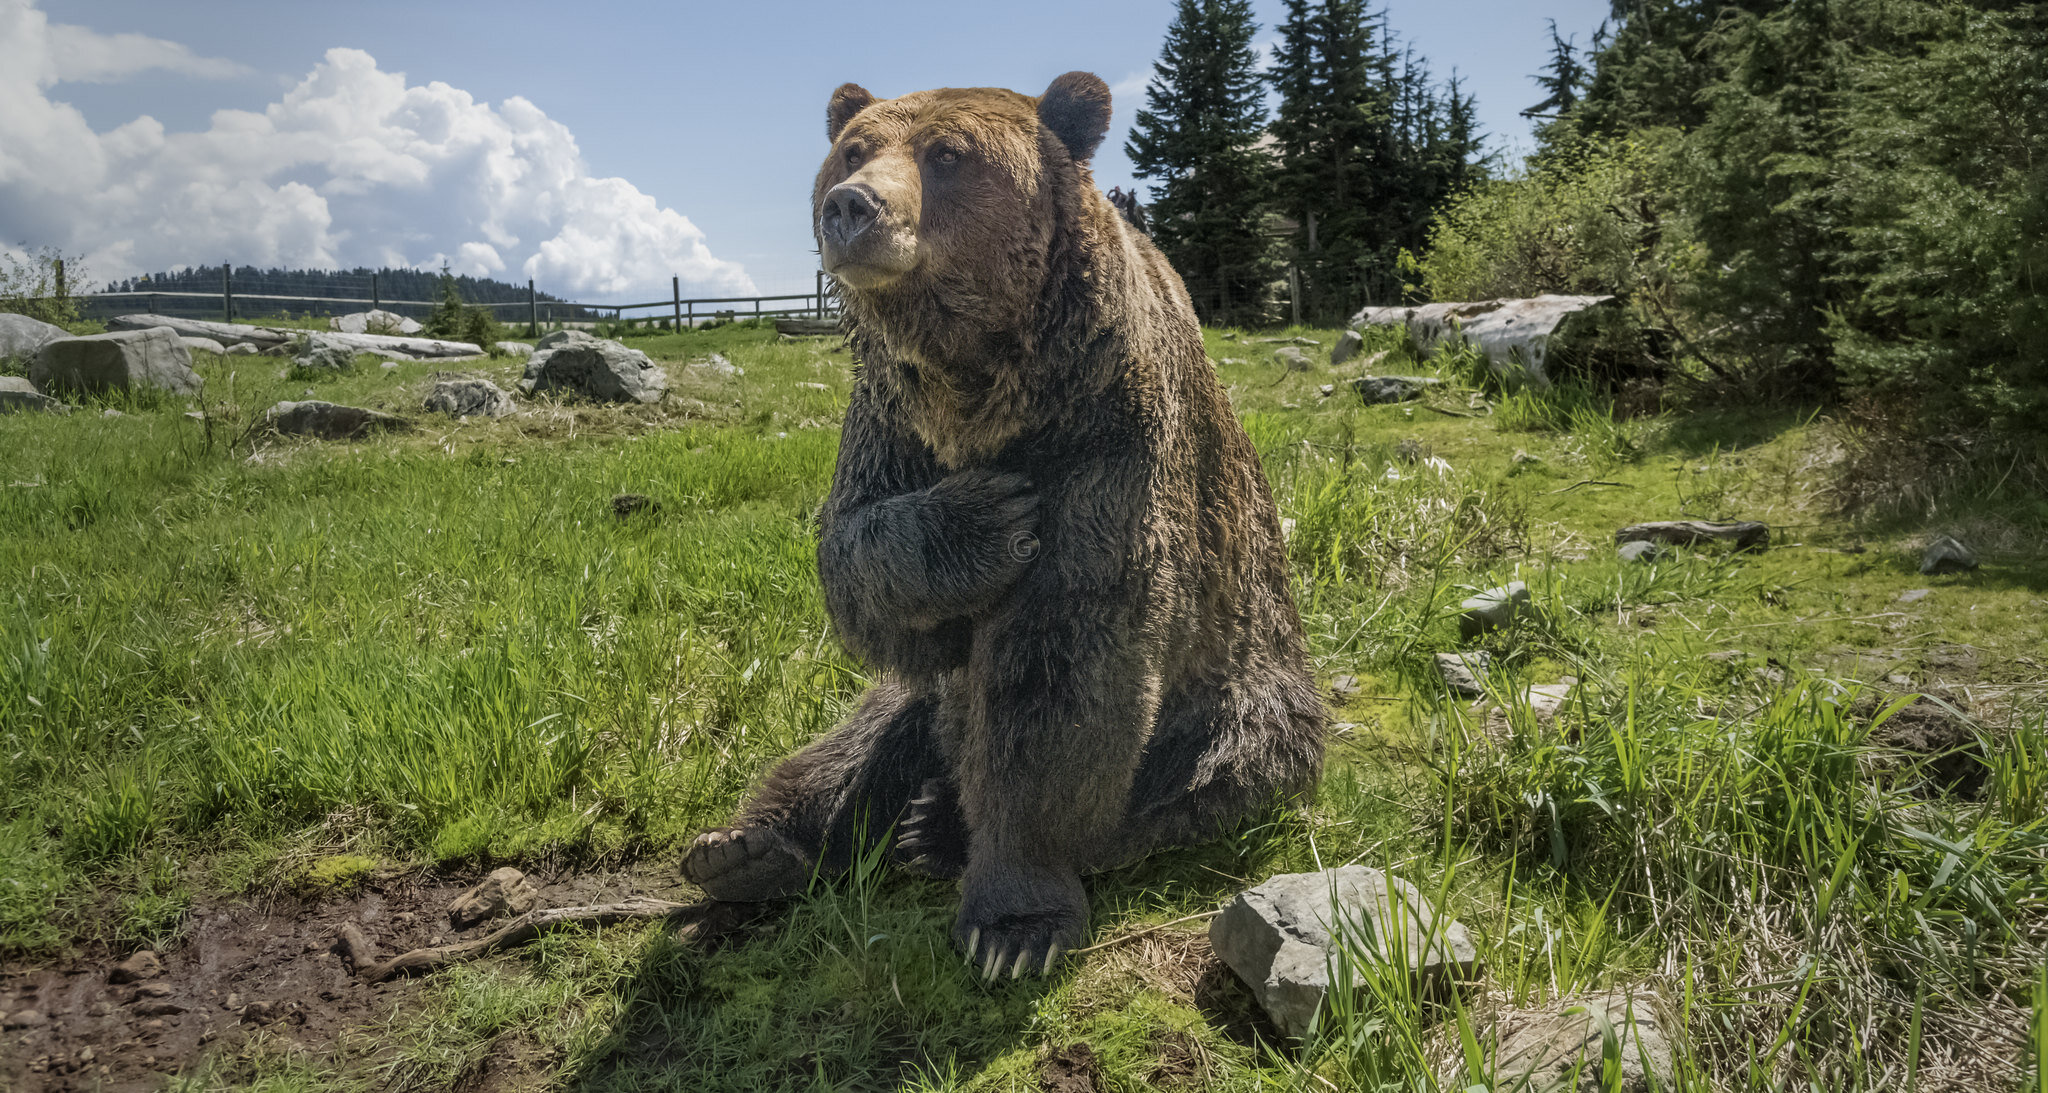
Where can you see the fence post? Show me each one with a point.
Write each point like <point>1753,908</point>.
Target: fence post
<point>227,293</point>
<point>61,293</point>
<point>532,311</point>
<point>1294,289</point>
<point>675,288</point>
<point>821,294</point>
<point>376,298</point>
<point>693,314</point>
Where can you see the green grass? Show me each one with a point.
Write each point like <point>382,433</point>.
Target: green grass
<point>232,665</point>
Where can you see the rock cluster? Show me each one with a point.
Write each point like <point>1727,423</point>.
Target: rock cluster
<point>469,396</point>
<point>125,360</point>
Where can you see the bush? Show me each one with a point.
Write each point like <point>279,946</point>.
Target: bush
<point>30,285</point>
<point>455,321</point>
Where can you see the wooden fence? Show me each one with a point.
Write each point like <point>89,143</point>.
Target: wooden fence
<point>682,312</point>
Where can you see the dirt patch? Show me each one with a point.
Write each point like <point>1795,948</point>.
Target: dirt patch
<point>1072,1069</point>
<point>273,968</point>
<point>1953,753</point>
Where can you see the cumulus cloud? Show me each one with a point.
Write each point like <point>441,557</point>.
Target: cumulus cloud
<point>353,166</point>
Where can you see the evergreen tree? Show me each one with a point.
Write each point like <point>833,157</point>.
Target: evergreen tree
<point>1199,137</point>
<point>1562,81</point>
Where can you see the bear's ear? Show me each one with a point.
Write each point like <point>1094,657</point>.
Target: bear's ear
<point>850,99</point>
<point>1076,109</point>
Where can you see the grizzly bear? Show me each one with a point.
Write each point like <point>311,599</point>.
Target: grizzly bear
<point>1046,532</point>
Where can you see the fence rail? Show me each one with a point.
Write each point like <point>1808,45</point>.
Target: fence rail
<point>684,312</point>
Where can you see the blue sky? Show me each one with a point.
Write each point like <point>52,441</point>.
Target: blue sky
<point>599,147</point>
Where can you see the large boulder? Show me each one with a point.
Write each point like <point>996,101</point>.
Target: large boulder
<point>378,321</point>
<point>22,337</point>
<point>1284,937</point>
<point>122,361</point>
<point>17,395</point>
<point>571,360</point>
<point>468,396</point>
<point>327,421</point>
<point>323,355</point>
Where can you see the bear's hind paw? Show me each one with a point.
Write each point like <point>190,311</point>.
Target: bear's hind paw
<point>746,865</point>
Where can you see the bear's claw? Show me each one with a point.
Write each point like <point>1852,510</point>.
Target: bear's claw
<point>746,865</point>
<point>932,839</point>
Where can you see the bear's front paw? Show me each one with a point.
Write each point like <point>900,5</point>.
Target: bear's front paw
<point>746,865</point>
<point>1019,921</point>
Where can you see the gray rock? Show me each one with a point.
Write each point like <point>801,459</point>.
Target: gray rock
<point>1742,535</point>
<point>1283,937</point>
<point>513,349</point>
<point>242,349</point>
<point>24,1019</point>
<point>1545,699</point>
<point>204,345</point>
<point>1493,609</point>
<point>1293,358</point>
<point>1558,1048</point>
<point>122,361</point>
<point>1464,673</point>
<point>717,365</point>
<point>1641,552</point>
<point>571,360</point>
<point>140,965</point>
<point>1915,595</point>
<point>374,322</point>
<point>505,892</point>
<point>1946,555</point>
<point>327,421</point>
<point>1377,390</point>
<point>18,395</point>
<point>22,337</point>
<point>469,396</point>
<point>1347,347</point>
<point>322,355</point>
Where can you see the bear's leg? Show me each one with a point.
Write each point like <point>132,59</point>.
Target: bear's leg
<point>1050,717</point>
<point>932,839</point>
<point>1217,756</point>
<point>822,805</point>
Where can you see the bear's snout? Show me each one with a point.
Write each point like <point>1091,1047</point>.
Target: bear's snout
<point>850,209</point>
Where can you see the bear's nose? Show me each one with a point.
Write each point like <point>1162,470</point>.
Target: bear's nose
<point>850,208</point>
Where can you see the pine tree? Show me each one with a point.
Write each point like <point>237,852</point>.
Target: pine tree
<point>1199,137</point>
<point>1562,81</point>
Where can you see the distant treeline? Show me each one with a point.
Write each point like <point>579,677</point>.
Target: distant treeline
<point>392,284</point>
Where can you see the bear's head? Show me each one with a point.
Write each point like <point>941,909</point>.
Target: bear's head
<point>954,196</point>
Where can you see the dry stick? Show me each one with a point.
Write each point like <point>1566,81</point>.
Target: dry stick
<point>1121,938</point>
<point>519,931</point>
<point>1448,413</point>
<point>1587,482</point>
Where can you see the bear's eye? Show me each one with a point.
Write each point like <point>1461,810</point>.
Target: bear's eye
<point>853,158</point>
<point>945,156</point>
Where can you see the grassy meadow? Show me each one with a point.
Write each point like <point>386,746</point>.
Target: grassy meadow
<point>239,668</point>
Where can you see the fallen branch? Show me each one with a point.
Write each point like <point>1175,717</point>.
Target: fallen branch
<point>1587,482</point>
<point>519,931</point>
<point>1448,413</point>
<point>1135,934</point>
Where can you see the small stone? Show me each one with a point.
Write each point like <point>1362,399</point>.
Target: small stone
<point>153,990</point>
<point>142,965</point>
<point>1493,609</point>
<point>86,1054</point>
<point>256,1013</point>
<point>1915,596</point>
<point>355,946</point>
<point>1641,552</point>
<point>17,394</point>
<point>111,412</point>
<point>468,396</point>
<point>328,421</point>
<point>321,354</point>
<point>1347,347</point>
<point>1293,358</point>
<point>1410,450</point>
<point>1742,535</point>
<point>100,1008</point>
<point>1326,390</point>
<point>1345,687</point>
<point>158,1009</point>
<point>717,365</point>
<point>513,349</point>
<point>1464,673</point>
<point>234,1002</point>
<point>1559,1048</point>
<point>1281,937</point>
<point>506,891</point>
<point>154,1026</point>
<point>1946,555</point>
<point>1523,458</point>
<point>1545,699</point>
<point>24,1019</point>
<point>1378,390</point>
<point>242,349</point>
<point>627,504</point>
<point>1287,526</point>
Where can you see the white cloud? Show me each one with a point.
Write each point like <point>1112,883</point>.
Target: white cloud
<point>352,166</point>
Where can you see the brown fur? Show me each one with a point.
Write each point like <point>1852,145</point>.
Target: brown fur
<point>1031,366</point>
